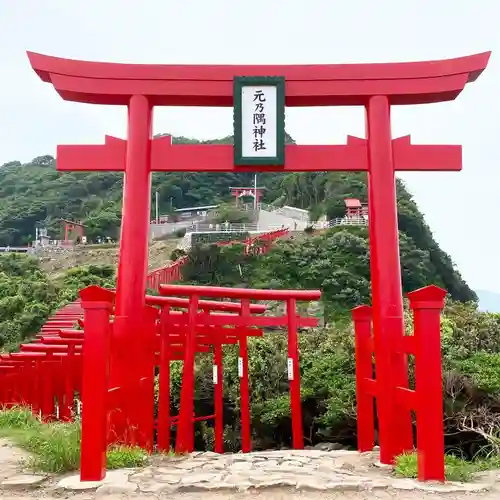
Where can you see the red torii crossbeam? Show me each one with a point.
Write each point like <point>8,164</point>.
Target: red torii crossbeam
<point>376,87</point>
<point>168,157</point>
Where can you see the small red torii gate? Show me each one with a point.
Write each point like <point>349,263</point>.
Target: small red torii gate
<point>239,192</point>
<point>70,226</point>
<point>376,87</point>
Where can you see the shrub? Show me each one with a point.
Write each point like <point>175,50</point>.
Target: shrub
<point>55,447</point>
<point>120,457</point>
<point>180,233</point>
<point>177,253</point>
<point>456,469</point>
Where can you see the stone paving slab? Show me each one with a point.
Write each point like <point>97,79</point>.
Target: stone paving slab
<point>12,475</point>
<point>295,470</point>
<point>280,474</point>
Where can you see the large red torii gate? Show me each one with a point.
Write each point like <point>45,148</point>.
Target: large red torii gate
<point>374,86</point>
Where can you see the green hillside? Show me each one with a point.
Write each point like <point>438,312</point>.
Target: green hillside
<point>35,192</point>
<point>336,261</point>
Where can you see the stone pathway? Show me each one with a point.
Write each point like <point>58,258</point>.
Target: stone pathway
<point>272,475</point>
<point>291,470</point>
<point>11,473</point>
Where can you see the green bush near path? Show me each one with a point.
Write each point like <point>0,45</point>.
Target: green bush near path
<point>55,447</point>
<point>456,469</point>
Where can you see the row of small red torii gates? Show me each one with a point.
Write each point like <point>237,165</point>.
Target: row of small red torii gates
<point>376,87</point>
<point>63,362</point>
<point>257,244</point>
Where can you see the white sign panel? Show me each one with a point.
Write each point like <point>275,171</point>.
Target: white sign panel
<point>240,367</point>
<point>290,368</point>
<point>214,374</point>
<point>259,121</point>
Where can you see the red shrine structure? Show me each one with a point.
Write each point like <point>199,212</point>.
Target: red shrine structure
<point>241,192</point>
<point>73,230</point>
<point>375,87</point>
<point>355,209</point>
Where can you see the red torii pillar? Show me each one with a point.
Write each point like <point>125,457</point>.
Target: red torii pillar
<point>373,86</point>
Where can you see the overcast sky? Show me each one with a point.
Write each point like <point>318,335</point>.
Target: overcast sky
<point>462,209</point>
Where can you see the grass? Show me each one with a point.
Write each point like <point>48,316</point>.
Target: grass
<point>456,469</point>
<point>55,447</point>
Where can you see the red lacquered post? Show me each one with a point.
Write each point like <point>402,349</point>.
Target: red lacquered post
<point>146,348</point>
<point>133,259</point>
<point>66,405</point>
<point>294,375</point>
<point>395,426</point>
<point>218,398</point>
<point>185,426</point>
<point>427,304</point>
<point>362,318</point>
<point>164,385</point>
<point>48,406</point>
<point>246,433</point>
<point>95,390</point>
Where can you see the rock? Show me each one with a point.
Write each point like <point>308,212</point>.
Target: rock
<point>245,466</point>
<point>154,487</point>
<point>380,465</point>
<point>110,489</point>
<point>118,478</point>
<point>194,479</point>
<point>328,447</point>
<point>311,483</point>
<point>24,481</point>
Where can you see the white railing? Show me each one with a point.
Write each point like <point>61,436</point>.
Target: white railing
<point>186,242</point>
<point>235,227</point>
<point>341,221</point>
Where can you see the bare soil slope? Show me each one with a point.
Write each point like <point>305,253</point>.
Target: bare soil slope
<point>56,263</point>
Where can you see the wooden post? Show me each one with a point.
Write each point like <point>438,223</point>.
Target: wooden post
<point>294,375</point>
<point>95,375</point>
<point>362,317</point>
<point>427,304</point>
<point>163,436</point>
<point>185,426</point>
<point>246,433</point>
<point>218,398</point>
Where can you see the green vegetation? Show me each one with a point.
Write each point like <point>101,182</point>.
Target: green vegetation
<point>229,213</point>
<point>55,447</point>
<point>456,469</point>
<point>471,416</point>
<point>36,192</point>
<point>26,298</point>
<point>28,295</point>
<point>203,238</point>
<point>336,261</point>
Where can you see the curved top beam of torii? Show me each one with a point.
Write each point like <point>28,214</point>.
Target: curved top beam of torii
<point>212,85</point>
